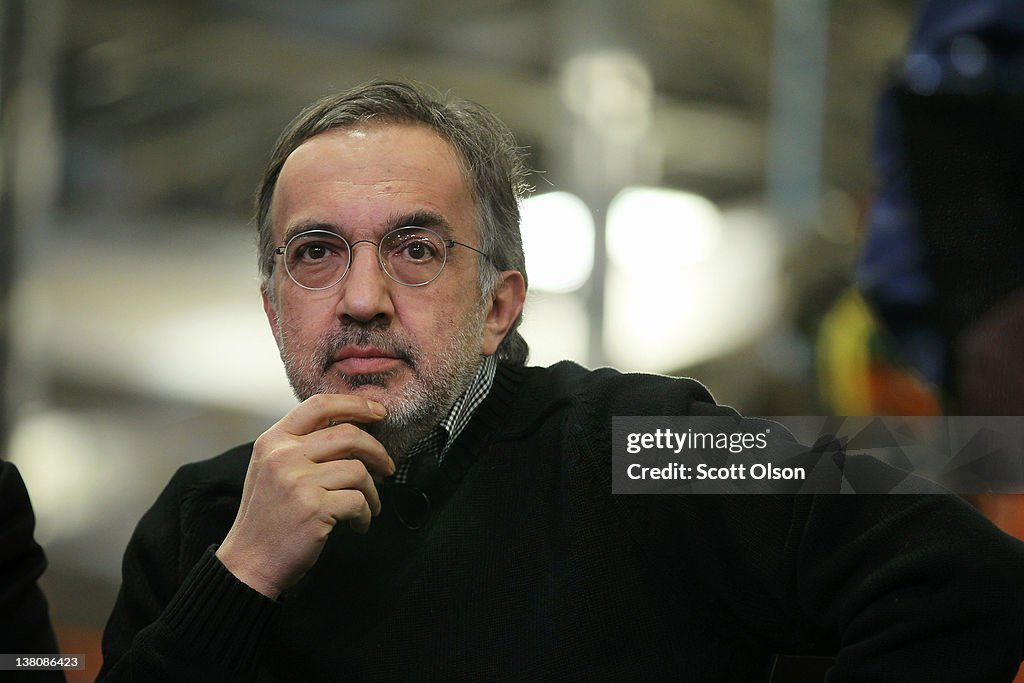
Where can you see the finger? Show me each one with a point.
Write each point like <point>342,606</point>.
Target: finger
<point>350,505</point>
<point>321,410</point>
<point>341,475</point>
<point>347,441</point>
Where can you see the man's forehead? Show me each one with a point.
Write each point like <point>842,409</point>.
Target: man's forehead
<point>407,167</point>
<point>370,140</point>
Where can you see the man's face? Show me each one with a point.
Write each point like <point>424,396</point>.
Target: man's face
<point>413,349</point>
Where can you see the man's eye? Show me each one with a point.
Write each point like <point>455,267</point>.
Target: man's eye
<point>418,251</point>
<point>314,251</point>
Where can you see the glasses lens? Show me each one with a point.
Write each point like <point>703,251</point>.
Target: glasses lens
<point>316,259</point>
<point>413,256</point>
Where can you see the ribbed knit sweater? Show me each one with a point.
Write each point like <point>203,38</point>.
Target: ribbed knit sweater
<point>529,568</point>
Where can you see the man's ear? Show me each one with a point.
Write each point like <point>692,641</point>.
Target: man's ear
<point>270,310</point>
<point>505,307</point>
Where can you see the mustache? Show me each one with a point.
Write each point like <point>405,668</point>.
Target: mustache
<point>359,334</point>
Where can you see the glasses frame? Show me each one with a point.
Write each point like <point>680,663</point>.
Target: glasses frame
<point>282,249</point>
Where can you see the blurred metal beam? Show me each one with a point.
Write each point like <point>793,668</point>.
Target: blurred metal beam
<point>10,16</point>
<point>29,179</point>
<point>800,67</point>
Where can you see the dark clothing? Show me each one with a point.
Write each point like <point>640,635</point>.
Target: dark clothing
<point>529,568</point>
<point>25,627</point>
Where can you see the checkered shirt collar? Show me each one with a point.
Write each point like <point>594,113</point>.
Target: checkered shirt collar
<point>437,443</point>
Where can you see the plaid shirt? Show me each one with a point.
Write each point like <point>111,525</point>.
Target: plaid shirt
<point>435,445</point>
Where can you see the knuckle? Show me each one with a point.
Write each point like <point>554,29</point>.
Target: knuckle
<point>276,458</point>
<point>264,443</point>
<point>284,475</point>
<point>315,401</point>
<point>346,430</point>
<point>307,501</point>
<point>357,503</point>
<point>356,468</point>
<point>346,506</point>
<point>272,446</point>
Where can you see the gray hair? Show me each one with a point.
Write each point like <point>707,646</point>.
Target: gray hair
<point>494,167</point>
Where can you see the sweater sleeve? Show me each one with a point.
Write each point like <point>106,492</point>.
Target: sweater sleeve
<point>897,588</point>
<point>915,588</point>
<point>177,617</point>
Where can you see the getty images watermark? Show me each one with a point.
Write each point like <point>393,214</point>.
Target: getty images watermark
<point>698,455</point>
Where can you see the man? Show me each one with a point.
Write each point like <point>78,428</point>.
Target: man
<point>435,509</point>
<point>25,627</point>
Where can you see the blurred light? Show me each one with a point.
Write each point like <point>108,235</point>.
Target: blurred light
<point>661,229</point>
<point>242,369</point>
<point>922,73</point>
<point>969,55</point>
<point>558,238</point>
<point>555,325</point>
<point>662,319</point>
<point>611,90</point>
<point>186,324</point>
<point>58,458</point>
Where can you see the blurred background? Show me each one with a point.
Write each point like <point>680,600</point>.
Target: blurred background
<point>703,170</point>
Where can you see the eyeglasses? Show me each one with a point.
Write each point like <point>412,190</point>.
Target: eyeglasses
<point>412,256</point>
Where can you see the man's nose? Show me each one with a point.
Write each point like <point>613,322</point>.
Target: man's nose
<point>365,290</point>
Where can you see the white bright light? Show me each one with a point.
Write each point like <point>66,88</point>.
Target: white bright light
<point>660,319</point>
<point>558,239</point>
<point>657,228</point>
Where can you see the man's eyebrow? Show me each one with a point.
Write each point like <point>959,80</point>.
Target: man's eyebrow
<point>423,219</point>
<point>306,226</point>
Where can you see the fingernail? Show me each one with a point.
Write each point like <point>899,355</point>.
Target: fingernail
<point>377,409</point>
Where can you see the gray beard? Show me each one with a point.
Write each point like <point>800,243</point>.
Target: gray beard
<point>414,409</point>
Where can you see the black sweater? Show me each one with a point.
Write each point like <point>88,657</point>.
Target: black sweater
<point>24,615</point>
<point>529,567</point>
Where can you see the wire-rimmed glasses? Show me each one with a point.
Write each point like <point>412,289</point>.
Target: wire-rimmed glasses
<point>412,256</point>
